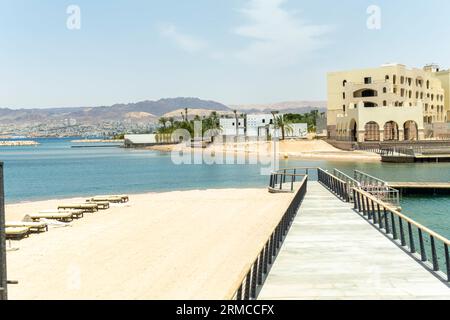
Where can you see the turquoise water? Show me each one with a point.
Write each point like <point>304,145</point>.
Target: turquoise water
<point>55,170</point>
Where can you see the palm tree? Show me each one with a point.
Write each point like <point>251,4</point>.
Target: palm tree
<point>186,114</point>
<point>172,121</point>
<point>162,121</point>
<point>284,125</point>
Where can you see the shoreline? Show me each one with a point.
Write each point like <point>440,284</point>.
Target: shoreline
<point>296,150</point>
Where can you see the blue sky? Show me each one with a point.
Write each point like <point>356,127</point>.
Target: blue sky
<point>231,51</point>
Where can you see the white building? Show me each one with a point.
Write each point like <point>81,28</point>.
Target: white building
<point>228,126</point>
<point>261,125</point>
<point>257,124</point>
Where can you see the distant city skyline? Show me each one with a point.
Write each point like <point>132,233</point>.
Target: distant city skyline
<point>95,53</point>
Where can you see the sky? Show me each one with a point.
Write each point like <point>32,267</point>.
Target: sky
<point>56,53</point>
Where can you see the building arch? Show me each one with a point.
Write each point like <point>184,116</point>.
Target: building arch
<point>364,93</point>
<point>371,131</point>
<point>391,132</point>
<point>353,130</point>
<point>411,130</point>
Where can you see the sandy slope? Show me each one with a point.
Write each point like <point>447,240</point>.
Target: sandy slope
<point>175,245</point>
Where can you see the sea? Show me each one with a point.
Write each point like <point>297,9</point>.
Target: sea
<point>60,168</point>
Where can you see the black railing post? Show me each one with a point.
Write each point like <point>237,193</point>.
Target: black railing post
<point>423,252</point>
<point>386,221</point>
<point>412,245</point>
<point>380,220</point>
<point>402,232</point>
<point>239,293</point>
<point>247,287</point>
<point>3,275</point>
<point>434,254</point>
<point>254,279</point>
<point>394,227</point>
<point>363,199</point>
<point>260,267</point>
<point>447,261</point>
<point>354,200</point>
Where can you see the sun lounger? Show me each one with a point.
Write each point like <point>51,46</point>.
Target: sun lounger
<point>17,233</point>
<point>112,199</point>
<point>123,197</point>
<point>33,226</point>
<point>60,216</point>
<point>102,205</point>
<point>76,213</point>
<point>86,207</point>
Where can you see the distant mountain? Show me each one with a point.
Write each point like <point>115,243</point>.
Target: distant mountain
<point>144,111</point>
<point>140,111</point>
<point>283,107</point>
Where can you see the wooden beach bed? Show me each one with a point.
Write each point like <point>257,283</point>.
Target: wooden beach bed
<point>63,216</point>
<point>86,207</point>
<point>37,227</point>
<point>102,205</point>
<point>17,233</point>
<point>76,214</point>
<point>112,198</point>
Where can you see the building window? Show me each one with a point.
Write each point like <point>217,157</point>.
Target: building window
<point>384,90</point>
<point>367,80</point>
<point>387,77</point>
<point>343,95</point>
<point>384,103</point>
<point>343,107</point>
<point>394,79</point>
<point>428,84</point>
<point>344,83</point>
<point>264,121</point>
<point>402,80</point>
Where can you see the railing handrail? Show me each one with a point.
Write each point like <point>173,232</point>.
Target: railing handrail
<point>357,172</point>
<point>356,182</point>
<point>332,175</point>
<point>231,294</point>
<point>397,213</point>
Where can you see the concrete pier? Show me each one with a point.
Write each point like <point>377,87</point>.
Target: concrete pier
<point>331,252</point>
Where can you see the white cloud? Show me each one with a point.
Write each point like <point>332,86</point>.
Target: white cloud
<point>185,42</point>
<point>277,36</point>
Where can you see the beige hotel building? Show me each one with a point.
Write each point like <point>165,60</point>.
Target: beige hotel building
<point>389,103</point>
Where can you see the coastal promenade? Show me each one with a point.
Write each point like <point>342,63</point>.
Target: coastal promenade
<point>333,252</point>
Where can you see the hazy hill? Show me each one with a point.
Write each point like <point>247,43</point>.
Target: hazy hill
<point>144,111</point>
<point>283,107</point>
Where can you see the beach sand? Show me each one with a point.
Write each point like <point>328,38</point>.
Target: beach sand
<point>174,245</point>
<point>296,149</point>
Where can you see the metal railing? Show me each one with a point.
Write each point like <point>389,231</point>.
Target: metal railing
<point>334,184</point>
<point>351,183</point>
<point>367,180</point>
<point>378,188</point>
<point>284,180</point>
<point>3,275</point>
<point>253,278</point>
<point>416,238</point>
<point>386,194</point>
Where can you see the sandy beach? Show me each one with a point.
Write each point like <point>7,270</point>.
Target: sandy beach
<point>173,245</point>
<point>296,149</point>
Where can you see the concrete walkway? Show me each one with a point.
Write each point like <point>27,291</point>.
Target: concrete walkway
<point>333,253</point>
